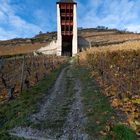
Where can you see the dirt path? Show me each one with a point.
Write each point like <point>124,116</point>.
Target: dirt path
<point>61,114</point>
<point>74,126</point>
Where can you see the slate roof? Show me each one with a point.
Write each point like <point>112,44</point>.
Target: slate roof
<point>66,1</point>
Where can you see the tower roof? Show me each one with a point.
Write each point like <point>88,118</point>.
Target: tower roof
<point>66,1</point>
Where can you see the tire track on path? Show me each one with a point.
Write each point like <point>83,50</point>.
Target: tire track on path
<point>61,114</point>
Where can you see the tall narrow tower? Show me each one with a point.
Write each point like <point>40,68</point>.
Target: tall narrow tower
<point>66,28</point>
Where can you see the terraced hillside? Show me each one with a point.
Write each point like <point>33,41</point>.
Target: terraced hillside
<point>87,37</point>
<point>96,37</point>
<point>26,45</point>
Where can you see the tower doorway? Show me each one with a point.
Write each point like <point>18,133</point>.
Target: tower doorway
<point>67,45</point>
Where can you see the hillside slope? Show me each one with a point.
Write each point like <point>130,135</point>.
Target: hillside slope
<point>86,37</point>
<point>116,68</point>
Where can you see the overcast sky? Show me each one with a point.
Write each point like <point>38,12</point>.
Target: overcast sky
<point>25,18</point>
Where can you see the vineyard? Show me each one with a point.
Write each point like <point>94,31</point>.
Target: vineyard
<point>107,37</point>
<point>23,72</point>
<point>97,37</point>
<point>113,37</point>
<point>99,96</point>
<point>20,49</point>
<point>117,68</point>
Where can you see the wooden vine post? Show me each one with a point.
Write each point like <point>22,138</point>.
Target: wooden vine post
<point>22,74</point>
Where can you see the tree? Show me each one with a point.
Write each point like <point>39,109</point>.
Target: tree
<point>40,32</point>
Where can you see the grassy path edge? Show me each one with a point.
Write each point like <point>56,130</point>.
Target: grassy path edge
<point>99,111</point>
<point>16,112</point>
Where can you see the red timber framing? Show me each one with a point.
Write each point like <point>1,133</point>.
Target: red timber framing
<point>66,13</point>
<point>67,27</point>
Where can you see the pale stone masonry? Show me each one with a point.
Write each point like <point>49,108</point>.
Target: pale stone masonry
<point>59,36</point>
<point>75,39</point>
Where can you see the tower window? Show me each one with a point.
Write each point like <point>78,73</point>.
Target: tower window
<point>71,28</point>
<point>62,10</point>
<point>71,18</point>
<point>62,18</point>
<point>63,28</point>
<point>67,28</point>
<point>66,18</point>
<point>71,10</point>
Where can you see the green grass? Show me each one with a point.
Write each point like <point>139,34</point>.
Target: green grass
<point>98,109</point>
<point>16,111</point>
<point>96,105</point>
<point>122,132</point>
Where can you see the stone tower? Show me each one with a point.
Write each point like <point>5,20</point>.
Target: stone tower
<point>66,28</point>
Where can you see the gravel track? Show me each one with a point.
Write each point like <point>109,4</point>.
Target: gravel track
<point>61,114</point>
